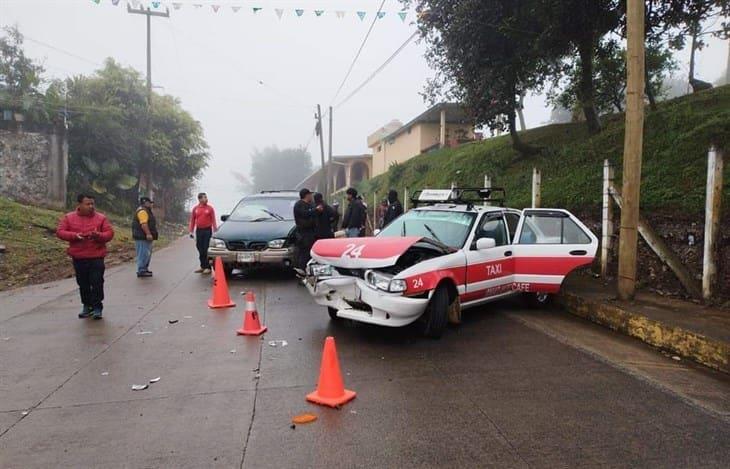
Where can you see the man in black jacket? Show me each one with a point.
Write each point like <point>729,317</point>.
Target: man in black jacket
<point>325,219</point>
<point>355,215</point>
<point>395,208</point>
<point>305,216</point>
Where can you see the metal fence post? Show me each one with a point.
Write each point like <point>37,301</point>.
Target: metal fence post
<point>713,200</point>
<point>536,197</point>
<point>607,225</point>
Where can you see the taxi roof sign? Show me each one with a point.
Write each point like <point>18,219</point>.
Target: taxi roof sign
<point>435,195</point>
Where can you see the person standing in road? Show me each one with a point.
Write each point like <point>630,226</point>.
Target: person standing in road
<point>395,208</point>
<point>202,223</point>
<point>144,233</point>
<point>325,220</point>
<point>305,215</point>
<point>355,215</point>
<point>87,232</point>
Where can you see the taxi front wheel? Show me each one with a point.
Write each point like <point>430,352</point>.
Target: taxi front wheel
<point>434,319</point>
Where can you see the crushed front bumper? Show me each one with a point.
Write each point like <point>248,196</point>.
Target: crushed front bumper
<point>283,256</point>
<point>354,299</point>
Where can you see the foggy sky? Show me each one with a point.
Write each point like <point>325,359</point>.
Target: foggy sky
<point>214,62</point>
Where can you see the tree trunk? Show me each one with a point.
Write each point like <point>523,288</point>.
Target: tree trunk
<point>648,90</point>
<point>517,143</point>
<point>586,87</point>
<point>692,51</point>
<point>520,110</point>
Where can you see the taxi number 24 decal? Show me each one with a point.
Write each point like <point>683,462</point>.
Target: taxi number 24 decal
<point>353,251</point>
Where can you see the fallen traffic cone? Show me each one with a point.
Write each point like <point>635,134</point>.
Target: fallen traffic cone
<point>330,389</point>
<point>221,298</point>
<point>251,323</point>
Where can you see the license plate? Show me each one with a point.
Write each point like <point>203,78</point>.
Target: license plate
<point>245,257</point>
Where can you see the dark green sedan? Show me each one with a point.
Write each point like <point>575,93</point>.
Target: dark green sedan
<point>259,231</point>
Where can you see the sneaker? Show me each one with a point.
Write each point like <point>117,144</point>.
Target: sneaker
<point>206,271</point>
<point>144,274</point>
<point>97,313</point>
<point>199,271</point>
<point>86,312</point>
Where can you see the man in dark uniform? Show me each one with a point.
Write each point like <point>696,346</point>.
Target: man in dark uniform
<point>325,219</point>
<point>305,214</point>
<point>355,215</point>
<point>395,208</point>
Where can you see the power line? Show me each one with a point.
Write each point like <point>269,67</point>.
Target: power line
<point>359,51</point>
<point>57,49</point>
<point>378,70</point>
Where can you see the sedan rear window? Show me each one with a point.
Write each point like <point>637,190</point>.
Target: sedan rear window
<point>264,209</point>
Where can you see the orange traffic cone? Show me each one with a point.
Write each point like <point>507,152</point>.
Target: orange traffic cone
<point>330,389</point>
<point>221,298</point>
<point>251,323</point>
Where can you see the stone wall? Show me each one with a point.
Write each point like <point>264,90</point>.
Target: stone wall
<point>34,167</point>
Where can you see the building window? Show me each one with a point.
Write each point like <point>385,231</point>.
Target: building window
<point>380,147</point>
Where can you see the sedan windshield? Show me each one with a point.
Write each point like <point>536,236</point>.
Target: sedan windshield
<point>449,228</point>
<point>264,209</point>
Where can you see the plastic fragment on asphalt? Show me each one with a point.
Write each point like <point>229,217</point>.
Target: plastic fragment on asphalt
<point>274,343</point>
<point>353,411</point>
<point>202,325</point>
<point>140,387</point>
<point>24,413</point>
<point>105,373</point>
<point>233,351</point>
<point>144,332</point>
<point>154,380</point>
<point>676,358</point>
<point>187,317</point>
<point>6,338</point>
<point>173,321</point>
<point>304,418</point>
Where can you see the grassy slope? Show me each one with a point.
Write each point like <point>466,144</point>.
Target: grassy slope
<point>35,255</point>
<point>676,140</point>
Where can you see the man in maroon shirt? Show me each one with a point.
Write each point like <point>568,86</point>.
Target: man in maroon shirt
<point>202,223</point>
<point>87,233</point>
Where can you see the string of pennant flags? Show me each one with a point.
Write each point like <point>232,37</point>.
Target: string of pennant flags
<point>256,10</point>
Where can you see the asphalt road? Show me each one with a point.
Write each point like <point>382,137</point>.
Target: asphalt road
<point>508,388</point>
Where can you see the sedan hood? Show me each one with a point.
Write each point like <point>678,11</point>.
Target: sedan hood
<point>362,253</point>
<point>232,230</point>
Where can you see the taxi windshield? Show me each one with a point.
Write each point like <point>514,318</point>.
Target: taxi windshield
<point>449,228</point>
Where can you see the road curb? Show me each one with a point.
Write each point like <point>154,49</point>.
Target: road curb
<point>706,351</point>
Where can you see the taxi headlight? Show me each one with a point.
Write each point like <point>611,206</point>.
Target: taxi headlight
<point>384,282</point>
<point>321,270</point>
<point>217,243</point>
<point>277,243</point>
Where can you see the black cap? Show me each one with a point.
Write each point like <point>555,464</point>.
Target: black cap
<point>303,193</point>
<point>144,200</point>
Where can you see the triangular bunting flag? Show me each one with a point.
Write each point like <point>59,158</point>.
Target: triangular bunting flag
<point>177,5</point>
<point>402,15</point>
<point>299,12</point>
<point>340,14</point>
<point>115,2</point>
<point>256,10</point>
<point>96,1</point>
<point>135,4</point>
<point>215,8</point>
<point>318,12</point>
<point>279,12</point>
<point>361,14</point>
<point>235,9</point>
<point>156,4</point>
<point>198,5</point>
<point>381,14</point>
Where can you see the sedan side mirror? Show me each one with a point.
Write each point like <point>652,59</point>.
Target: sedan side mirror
<point>224,217</point>
<point>485,243</point>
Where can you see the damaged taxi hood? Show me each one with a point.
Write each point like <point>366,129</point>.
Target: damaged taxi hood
<point>362,253</point>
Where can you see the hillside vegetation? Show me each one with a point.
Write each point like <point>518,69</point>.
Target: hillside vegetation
<point>676,140</point>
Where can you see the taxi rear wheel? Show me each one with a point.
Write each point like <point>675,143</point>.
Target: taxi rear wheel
<point>434,319</point>
<point>333,313</point>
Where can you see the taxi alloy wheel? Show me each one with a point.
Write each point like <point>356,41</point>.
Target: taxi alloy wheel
<point>434,319</point>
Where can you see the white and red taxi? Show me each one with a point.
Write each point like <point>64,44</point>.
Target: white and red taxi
<point>447,254</point>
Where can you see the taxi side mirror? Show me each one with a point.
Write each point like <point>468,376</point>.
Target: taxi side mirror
<point>485,243</point>
<point>224,217</point>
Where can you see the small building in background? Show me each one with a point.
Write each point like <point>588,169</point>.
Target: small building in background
<point>443,125</point>
<point>347,171</point>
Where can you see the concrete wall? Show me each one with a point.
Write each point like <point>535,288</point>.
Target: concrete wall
<point>34,167</point>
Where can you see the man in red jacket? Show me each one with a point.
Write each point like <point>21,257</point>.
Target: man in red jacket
<point>87,233</point>
<point>202,223</point>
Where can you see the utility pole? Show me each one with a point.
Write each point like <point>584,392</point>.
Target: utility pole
<point>321,149</point>
<point>329,166</point>
<point>633,142</point>
<point>149,14</point>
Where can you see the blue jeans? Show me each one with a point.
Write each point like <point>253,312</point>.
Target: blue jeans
<point>144,254</point>
<point>353,232</point>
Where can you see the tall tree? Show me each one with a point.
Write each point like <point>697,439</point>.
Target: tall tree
<point>275,169</point>
<point>485,56</point>
<point>20,77</point>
